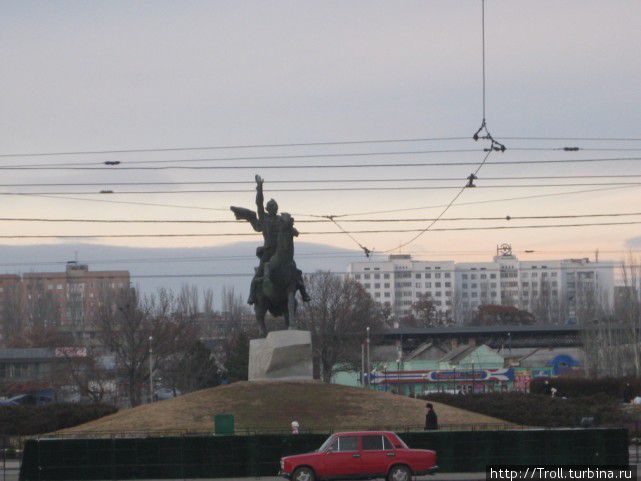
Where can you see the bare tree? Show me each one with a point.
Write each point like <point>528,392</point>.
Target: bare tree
<point>129,325</point>
<point>628,308</point>
<point>208,302</point>
<point>125,327</point>
<point>461,312</point>
<point>14,312</point>
<point>87,376</point>
<point>425,310</point>
<point>234,312</point>
<point>611,333</point>
<point>337,316</point>
<point>188,301</point>
<point>545,305</point>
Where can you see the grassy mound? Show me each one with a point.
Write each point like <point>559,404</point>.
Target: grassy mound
<point>270,406</point>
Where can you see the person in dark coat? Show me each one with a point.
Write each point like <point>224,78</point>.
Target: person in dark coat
<point>431,421</point>
<point>628,395</point>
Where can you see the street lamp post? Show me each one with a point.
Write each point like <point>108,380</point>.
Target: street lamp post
<point>368,367</point>
<point>151,371</point>
<point>363,364</point>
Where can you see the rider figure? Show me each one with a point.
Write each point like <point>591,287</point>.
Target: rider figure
<point>269,224</point>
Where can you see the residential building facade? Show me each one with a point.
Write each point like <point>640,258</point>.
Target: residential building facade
<point>400,281</point>
<point>548,288</point>
<point>68,300</point>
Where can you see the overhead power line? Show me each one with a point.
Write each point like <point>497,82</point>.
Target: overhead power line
<point>123,202</point>
<point>581,139</point>
<point>321,181</point>
<point>329,166</point>
<point>325,189</point>
<point>312,221</point>
<point>258,145</point>
<point>458,194</point>
<point>311,233</point>
<point>388,211</point>
<point>490,201</point>
<point>231,146</point>
<point>117,164</point>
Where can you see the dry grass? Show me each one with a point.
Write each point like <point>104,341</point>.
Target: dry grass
<point>273,405</point>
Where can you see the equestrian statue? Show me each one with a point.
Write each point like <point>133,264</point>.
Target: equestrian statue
<point>276,279</point>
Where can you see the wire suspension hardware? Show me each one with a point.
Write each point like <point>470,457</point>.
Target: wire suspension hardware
<point>483,132</point>
<point>365,250</point>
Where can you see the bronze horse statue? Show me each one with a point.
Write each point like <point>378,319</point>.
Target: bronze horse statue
<point>276,290</point>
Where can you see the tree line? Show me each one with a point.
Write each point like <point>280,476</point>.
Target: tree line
<point>180,341</point>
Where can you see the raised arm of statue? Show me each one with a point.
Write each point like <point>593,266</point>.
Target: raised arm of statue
<point>259,198</point>
<point>249,215</point>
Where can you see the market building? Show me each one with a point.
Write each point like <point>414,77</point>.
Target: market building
<point>466,369</point>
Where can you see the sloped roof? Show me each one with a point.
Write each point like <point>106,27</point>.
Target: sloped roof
<point>542,356</point>
<point>519,353</point>
<point>458,353</point>
<point>424,348</point>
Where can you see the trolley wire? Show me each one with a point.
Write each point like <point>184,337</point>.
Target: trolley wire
<point>319,181</point>
<point>373,231</point>
<point>306,144</point>
<point>325,189</point>
<point>320,166</point>
<point>327,219</point>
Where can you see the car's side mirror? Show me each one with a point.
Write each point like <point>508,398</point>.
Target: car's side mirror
<point>398,446</point>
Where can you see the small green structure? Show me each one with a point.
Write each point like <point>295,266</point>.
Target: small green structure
<point>224,425</point>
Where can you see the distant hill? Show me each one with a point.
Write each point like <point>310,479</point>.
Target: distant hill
<point>274,405</point>
<point>152,268</point>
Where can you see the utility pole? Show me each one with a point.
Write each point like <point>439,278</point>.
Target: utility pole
<point>151,371</point>
<point>368,367</point>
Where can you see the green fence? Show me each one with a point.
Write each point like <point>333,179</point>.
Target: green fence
<point>242,456</point>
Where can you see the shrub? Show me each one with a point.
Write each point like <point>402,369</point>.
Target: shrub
<point>576,387</point>
<point>536,409</point>
<point>26,420</point>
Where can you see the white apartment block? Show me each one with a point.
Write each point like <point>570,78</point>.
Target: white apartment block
<point>401,280</point>
<point>536,286</point>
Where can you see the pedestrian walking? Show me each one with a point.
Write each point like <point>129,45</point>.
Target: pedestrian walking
<point>295,427</point>
<point>431,420</point>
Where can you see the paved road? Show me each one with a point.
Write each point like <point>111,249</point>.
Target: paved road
<point>13,476</point>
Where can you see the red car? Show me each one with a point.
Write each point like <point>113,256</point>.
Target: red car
<point>360,455</point>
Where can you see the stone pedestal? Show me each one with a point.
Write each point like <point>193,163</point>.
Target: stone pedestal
<point>282,355</point>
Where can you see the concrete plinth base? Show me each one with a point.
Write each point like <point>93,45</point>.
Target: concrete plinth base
<point>281,355</point>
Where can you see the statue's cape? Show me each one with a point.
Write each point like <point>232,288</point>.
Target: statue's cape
<point>244,214</point>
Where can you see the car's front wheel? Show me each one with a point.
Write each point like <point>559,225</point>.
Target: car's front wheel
<point>303,474</point>
<point>399,473</point>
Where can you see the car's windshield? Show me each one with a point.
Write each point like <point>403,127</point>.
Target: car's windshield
<point>402,443</point>
<point>326,444</point>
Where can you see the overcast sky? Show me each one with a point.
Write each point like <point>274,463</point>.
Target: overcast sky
<point>86,76</point>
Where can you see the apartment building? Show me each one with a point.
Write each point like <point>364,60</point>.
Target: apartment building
<point>401,280</point>
<point>68,300</point>
<point>455,288</point>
